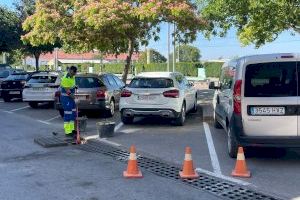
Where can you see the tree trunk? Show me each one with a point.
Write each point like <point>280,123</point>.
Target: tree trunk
<point>37,57</point>
<point>128,60</point>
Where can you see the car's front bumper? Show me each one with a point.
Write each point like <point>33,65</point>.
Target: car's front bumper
<point>13,93</point>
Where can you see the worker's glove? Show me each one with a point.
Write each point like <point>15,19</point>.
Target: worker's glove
<point>76,101</point>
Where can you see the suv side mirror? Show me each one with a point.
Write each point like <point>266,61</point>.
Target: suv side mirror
<point>191,84</point>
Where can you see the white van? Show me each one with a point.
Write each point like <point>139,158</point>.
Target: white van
<point>257,101</point>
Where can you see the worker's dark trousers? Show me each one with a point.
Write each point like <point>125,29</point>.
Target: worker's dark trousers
<point>69,107</point>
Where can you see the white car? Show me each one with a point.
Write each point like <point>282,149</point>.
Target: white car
<point>41,88</point>
<point>165,94</point>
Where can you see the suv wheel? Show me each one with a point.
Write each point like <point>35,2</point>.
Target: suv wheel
<point>6,98</point>
<point>231,143</point>
<point>216,123</point>
<point>112,108</point>
<point>127,120</point>
<point>194,110</point>
<point>181,119</point>
<point>33,104</point>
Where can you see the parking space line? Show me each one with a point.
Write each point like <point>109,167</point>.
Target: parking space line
<point>212,151</point>
<point>8,112</point>
<point>56,117</point>
<point>234,180</point>
<point>19,108</point>
<point>91,137</point>
<point>44,122</point>
<point>118,126</point>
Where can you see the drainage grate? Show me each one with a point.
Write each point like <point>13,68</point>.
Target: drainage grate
<point>48,142</point>
<point>216,186</point>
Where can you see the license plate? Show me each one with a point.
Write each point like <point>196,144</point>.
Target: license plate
<point>14,92</point>
<point>267,110</point>
<point>38,89</point>
<point>81,98</point>
<point>145,97</point>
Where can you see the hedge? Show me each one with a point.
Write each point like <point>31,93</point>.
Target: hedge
<point>212,69</point>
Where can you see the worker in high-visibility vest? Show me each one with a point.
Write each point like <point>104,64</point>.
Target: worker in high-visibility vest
<point>67,100</point>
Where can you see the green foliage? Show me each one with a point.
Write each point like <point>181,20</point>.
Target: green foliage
<point>188,53</point>
<point>111,26</point>
<point>155,57</point>
<point>212,69</point>
<point>257,22</point>
<point>9,29</point>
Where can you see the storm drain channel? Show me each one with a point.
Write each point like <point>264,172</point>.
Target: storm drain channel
<point>219,187</point>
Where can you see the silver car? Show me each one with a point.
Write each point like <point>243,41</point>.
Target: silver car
<point>257,102</point>
<point>41,88</point>
<point>95,93</point>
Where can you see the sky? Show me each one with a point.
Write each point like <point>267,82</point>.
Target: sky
<point>225,48</point>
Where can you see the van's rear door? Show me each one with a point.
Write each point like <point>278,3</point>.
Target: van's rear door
<point>269,103</point>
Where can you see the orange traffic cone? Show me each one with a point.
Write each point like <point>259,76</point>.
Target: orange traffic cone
<point>240,169</point>
<point>132,168</point>
<point>188,167</point>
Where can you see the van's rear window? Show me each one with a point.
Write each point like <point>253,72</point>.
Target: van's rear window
<point>151,83</point>
<point>276,79</point>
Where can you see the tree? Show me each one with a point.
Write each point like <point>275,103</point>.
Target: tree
<point>188,53</point>
<point>257,22</point>
<point>9,30</point>
<point>156,57</point>
<point>110,26</point>
<point>26,8</point>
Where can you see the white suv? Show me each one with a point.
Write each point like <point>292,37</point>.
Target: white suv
<point>257,102</point>
<point>165,94</point>
<point>41,87</point>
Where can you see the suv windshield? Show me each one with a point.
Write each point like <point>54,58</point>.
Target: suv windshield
<point>88,82</point>
<point>277,79</point>
<point>17,77</point>
<point>42,79</point>
<point>4,74</point>
<point>151,83</point>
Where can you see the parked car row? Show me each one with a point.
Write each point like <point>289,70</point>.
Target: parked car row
<point>168,95</point>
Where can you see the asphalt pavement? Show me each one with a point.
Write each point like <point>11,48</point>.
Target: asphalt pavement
<point>28,171</point>
<point>274,171</point>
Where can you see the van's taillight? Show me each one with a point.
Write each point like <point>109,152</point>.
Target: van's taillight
<point>171,93</point>
<point>126,93</point>
<point>237,95</point>
<point>101,94</point>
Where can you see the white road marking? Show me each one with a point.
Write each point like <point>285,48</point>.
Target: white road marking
<point>91,137</point>
<point>19,109</point>
<point>1,101</point>
<point>109,142</point>
<point>212,151</point>
<point>118,126</point>
<point>44,122</point>
<point>8,112</point>
<point>56,117</point>
<point>223,177</point>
